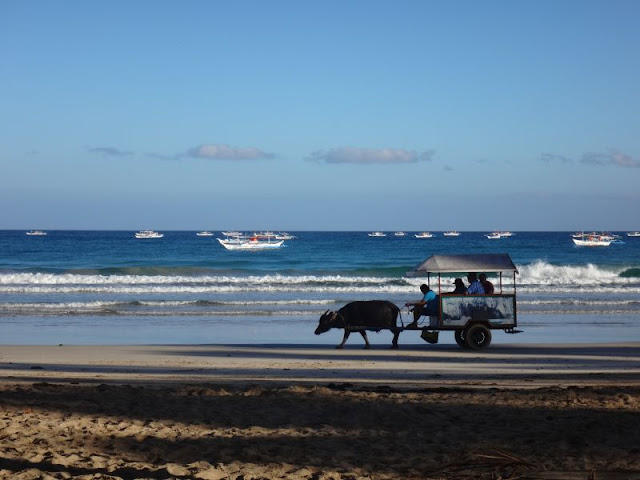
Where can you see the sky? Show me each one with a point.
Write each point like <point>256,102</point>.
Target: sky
<point>320,115</point>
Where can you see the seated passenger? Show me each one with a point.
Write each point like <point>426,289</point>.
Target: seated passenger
<point>486,284</point>
<point>424,306</point>
<point>475,287</point>
<point>460,288</point>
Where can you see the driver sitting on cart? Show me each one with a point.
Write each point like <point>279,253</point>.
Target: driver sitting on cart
<point>427,305</point>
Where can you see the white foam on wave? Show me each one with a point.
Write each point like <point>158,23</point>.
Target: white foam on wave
<point>71,279</point>
<point>533,278</point>
<point>542,273</point>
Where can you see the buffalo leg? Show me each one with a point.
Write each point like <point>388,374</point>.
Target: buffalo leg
<point>366,340</point>
<point>394,342</point>
<point>344,339</point>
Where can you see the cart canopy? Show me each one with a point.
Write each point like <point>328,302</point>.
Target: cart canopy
<point>490,262</point>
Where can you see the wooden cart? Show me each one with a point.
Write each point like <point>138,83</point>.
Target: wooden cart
<point>470,317</point>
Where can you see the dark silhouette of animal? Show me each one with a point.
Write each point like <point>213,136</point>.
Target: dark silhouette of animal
<point>361,316</point>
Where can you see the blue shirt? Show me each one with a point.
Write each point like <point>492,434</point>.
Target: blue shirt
<point>430,295</point>
<point>475,287</point>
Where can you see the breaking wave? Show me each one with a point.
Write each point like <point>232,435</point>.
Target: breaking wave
<point>535,277</point>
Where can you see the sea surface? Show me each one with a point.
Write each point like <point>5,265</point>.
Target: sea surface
<point>107,287</point>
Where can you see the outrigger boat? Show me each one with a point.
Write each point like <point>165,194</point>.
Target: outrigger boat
<point>593,240</point>
<point>253,242</point>
<point>149,234</point>
<point>496,234</point>
<point>284,236</point>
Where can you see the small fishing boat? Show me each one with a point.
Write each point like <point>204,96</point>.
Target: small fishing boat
<point>633,234</point>
<point>249,243</point>
<point>592,240</point>
<point>499,234</point>
<point>36,233</point>
<point>452,233</point>
<point>149,234</point>
<point>424,235</point>
<point>205,233</point>
<point>399,234</point>
<point>284,236</point>
<point>377,234</point>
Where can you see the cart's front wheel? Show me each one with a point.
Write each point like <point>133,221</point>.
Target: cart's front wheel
<point>477,337</point>
<point>460,338</point>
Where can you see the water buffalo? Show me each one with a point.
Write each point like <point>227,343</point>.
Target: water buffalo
<point>362,316</point>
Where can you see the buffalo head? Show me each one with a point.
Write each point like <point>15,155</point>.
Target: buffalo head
<point>328,320</point>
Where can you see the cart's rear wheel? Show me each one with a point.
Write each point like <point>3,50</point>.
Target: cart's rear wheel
<point>477,337</point>
<point>460,339</point>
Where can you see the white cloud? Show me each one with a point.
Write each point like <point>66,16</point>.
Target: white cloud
<point>371,156</point>
<point>225,152</point>
<point>553,158</point>
<point>110,151</point>
<point>613,157</point>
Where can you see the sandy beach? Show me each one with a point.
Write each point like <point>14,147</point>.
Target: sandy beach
<point>548,411</point>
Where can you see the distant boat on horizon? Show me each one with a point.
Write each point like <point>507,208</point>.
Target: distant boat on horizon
<point>284,236</point>
<point>424,235</point>
<point>36,233</point>
<point>205,233</point>
<point>149,234</point>
<point>496,234</point>
<point>451,233</point>
<point>377,234</point>
<point>253,242</point>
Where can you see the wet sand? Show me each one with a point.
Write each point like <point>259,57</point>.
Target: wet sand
<point>309,412</point>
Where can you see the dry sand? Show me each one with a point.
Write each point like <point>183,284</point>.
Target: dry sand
<point>296,412</point>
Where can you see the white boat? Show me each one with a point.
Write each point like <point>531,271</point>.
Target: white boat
<point>377,234</point>
<point>232,233</point>
<point>592,240</point>
<point>205,233</point>
<point>424,235</point>
<point>36,233</point>
<point>633,234</point>
<point>284,236</point>
<point>499,234</point>
<point>399,234</point>
<point>249,243</point>
<point>265,234</point>
<point>149,234</point>
<point>451,233</point>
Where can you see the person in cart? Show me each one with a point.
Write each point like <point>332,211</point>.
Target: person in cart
<point>424,306</point>
<point>459,289</point>
<point>486,284</point>
<point>475,287</point>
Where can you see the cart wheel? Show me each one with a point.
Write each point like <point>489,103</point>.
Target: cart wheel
<point>477,337</point>
<point>460,339</point>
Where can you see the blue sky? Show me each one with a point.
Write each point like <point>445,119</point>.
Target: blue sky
<point>323,115</point>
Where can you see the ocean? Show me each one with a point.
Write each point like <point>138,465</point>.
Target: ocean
<point>107,287</point>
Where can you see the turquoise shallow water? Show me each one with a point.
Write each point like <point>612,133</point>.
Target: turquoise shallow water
<point>94,287</point>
